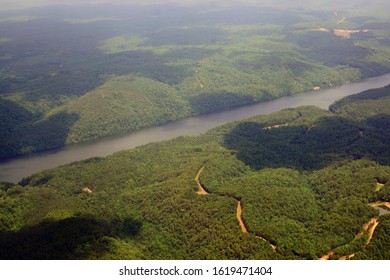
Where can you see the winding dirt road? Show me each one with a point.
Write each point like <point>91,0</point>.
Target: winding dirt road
<point>327,256</point>
<point>375,204</point>
<point>370,227</point>
<point>203,191</point>
<point>239,217</point>
<point>371,231</point>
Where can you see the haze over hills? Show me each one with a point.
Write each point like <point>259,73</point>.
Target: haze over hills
<point>302,183</point>
<point>73,73</point>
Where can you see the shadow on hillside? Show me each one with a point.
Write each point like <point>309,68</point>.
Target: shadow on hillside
<point>71,238</point>
<point>313,146</point>
<point>23,132</point>
<point>209,102</point>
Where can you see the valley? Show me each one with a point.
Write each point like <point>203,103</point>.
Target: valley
<point>195,130</point>
<point>300,191</point>
<point>14,170</point>
<point>71,74</point>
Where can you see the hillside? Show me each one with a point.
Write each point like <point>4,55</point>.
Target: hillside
<point>74,73</point>
<point>296,184</point>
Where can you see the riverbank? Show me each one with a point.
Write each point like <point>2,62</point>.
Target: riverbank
<point>14,169</point>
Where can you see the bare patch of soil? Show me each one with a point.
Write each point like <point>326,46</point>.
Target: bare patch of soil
<point>201,190</point>
<point>239,217</point>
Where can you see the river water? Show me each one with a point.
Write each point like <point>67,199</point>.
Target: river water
<point>14,169</point>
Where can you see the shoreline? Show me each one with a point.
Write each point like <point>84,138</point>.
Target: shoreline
<point>16,168</point>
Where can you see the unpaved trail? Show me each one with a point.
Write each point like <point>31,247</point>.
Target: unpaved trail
<point>370,227</point>
<point>326,257</point>
<point>269,243</point>
<point>201,190</point>
<point>366,227</point>
<point>371,231</point>
<point>244,228</point>
<point>347,257</point>
<point>239,217</point>
<point>198,79</point>
<point>375,204</point>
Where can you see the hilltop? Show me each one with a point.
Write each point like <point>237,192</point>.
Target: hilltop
<point>297,184</point>
<point>74,73</point>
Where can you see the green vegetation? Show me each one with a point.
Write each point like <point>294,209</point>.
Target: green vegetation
<point>365,105</point>
<point>379,247</point>
<point>124,104</point>
<point>122,44</point>
<point>305,178</point>
<point>61,65</point>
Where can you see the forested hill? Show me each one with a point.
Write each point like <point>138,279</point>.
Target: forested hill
<point>78,72</point>
<point>296,184</point>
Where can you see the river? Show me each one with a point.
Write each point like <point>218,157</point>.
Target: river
<point>14,169</point>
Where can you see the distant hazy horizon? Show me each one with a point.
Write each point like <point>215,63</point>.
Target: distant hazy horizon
<point>353,7</point>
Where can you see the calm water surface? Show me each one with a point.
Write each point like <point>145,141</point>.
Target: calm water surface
<point>13,170</point>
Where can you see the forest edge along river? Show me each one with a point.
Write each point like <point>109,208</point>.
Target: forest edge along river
<point>14,169</point>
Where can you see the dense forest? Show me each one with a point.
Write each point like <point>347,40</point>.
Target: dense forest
<point>301,183</point>
<point>75,73</point>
